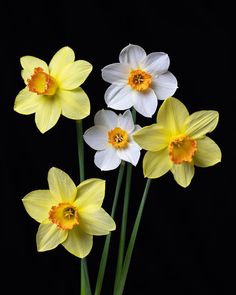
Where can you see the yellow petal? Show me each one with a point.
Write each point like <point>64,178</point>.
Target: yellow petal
<point>61,185</point>
<point>151,138</point>
<point>200,123</point>
<point>47,113</point>
<point>183,173</point>
<point>90,192</point>
<point>29,63</point>
<point>75,104</point>
<point>26,102</point>
<point>60,60</point>
<point>26,74</point>
<point>95,221</point>
<point>78,242</point>
<point>38,204</point>
<point>156,164</point>
<point>208,153</point>
<point>171,115</point>
<point>49,236</point>
<point>74,74</point>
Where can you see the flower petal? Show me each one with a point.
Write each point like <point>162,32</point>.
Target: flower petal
<point>156,63</point>
<point>152,138</point>
<point>125,121</point>
<point>29,63</point>
<point>96,221</point>
<point>38,204</point>
<point>78,242</point>
<point>107,159</point>
<point>49,236</point>
<point>132,55</point>
<point>90,192</point>
<point>74,74</point>
<point>208,153</point>
<point>200,123</point>
<point>130,154</point>
<point>183,173</point>
<point>26,102</point>
<point>119,98</point>
<point>75,103</point>
<point>116,73</point>
<point>60,60</point>
<point>145,103</point>
<point>96,137</point>
<point>156,164</point>
<point>165,85</point>
<point>171,115</point>
<point>106,118</point>
<point>47,113</point>
<point>61,185</point>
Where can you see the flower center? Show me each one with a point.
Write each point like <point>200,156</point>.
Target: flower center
<point>139,80</point>
<point>182,149</point>
<point>118,137</point>
<point>42,83</point>
<point>64,215</point>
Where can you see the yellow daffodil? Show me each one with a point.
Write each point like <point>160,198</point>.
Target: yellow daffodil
<point>67,214</point>
<point>178,141</point>
<point>53,90</point>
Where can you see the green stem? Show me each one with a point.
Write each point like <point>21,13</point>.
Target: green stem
<point>80,144</point>
<point>84,277</point>
<point>120,258</point>
<point>104,256</point>
<point>124,272</point>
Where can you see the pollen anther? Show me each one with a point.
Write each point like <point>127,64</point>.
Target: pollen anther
<point>182,149</point>
<point>64,215</point>
<point>42,83</point>
<point>139,80</point>
<point>118,137</point>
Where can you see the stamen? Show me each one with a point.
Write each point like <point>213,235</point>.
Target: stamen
<point>42,83</point>
<point>182,149</point>
<point>64,215</point>
<point>118,137</point>
<point>139,80</point>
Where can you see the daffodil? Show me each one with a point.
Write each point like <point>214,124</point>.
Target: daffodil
<point>54,89</point>
<point>67,214</point>
<point>138,80</point>
<point>112,137</point>
<point>178,142</point>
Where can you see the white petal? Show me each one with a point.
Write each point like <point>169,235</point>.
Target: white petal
<point>119,98</point>
<point>156,63</point>
<point>106,118</point>
<point>145,103</point>
<point>116,73</point>
<point>165,85</point>
<point>96,137</point>
<point>132,55</point>
<point>107,159</point>
<point>126,122</point>
<point>130,154</point>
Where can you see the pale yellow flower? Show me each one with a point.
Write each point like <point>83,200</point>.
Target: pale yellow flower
<point>53,90</point>
<point>178,141</point>
<point>67,214</point>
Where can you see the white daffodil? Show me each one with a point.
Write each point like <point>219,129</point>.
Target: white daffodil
<point>138,80</point>
<point>112,137</point>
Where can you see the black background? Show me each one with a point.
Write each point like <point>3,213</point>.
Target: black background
<point>185,242</point>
